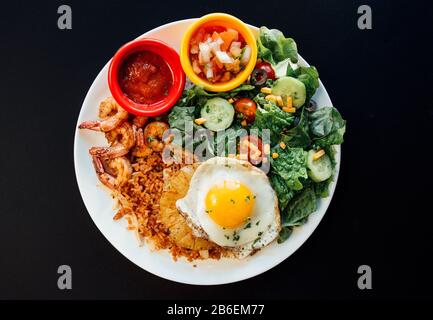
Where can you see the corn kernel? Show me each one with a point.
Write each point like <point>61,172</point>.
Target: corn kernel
<point>244,123</point>
<point>200,121</point>
<point>318,154</point>
<point>274,155</point>
<point>282,145</point>
<point>266,90</point>
<point>231,100</point>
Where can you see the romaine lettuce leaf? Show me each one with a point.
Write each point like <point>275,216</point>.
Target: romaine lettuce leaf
<point>327,127</point>
<point>297,136</point>
<point>271,117</point>
<point>290,165</point>
<point>284,194</point>
<point>274,47</point>
<point>298,210</point>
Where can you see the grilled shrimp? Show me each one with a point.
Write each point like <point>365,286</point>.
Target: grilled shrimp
<point>121,140</point>
<point>111,113</point>
<point>113,173</point>
<point>141,149</point>
<point>153,135</point>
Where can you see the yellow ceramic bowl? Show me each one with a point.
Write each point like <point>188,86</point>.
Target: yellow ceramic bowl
<point>228,21</point>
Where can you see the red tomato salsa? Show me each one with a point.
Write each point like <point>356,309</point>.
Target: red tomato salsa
<point>145,77</point>
<point>218,54</point>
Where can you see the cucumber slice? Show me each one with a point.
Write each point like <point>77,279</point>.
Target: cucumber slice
<point>219,114</point>
<point>320,169</point>
<point>289,86</point>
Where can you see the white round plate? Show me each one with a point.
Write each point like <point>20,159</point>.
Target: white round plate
<point>100,205</point>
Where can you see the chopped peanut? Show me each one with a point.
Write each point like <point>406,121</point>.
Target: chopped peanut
<point>318,154</point>
<point>231,100</point>
<point>200,121</point>
<point>266,90</point>
<point>244,123</point>
<point>275,155</point>
<point>282,145</point>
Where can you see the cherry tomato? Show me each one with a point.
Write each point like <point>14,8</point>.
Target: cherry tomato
<point>266,66</point>
<point>252,146</point>
<point>247,107</point>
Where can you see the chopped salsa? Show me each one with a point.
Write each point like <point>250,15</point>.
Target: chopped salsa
<point>218,53</point>
<point>145,77</point>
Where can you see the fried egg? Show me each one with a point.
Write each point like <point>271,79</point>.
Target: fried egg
<point>231,203</point>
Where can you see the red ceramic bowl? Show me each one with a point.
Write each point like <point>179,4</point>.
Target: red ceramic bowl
<point>169,55</point>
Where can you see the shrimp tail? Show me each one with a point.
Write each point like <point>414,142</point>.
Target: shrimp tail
<point>91,125</point>
<point>107,179</point>
<point>110,153</point>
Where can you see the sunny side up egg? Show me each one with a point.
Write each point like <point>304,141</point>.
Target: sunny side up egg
<point>231,203</point>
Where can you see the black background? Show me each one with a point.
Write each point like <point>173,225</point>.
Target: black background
<point>380,80</point>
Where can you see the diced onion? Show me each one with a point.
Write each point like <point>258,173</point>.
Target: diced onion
<point>223,57</point>
<point>209,71</point>
<point>215,47</point>
<point>205,53</point>
<point>246,55</point>
<point>235,49</point>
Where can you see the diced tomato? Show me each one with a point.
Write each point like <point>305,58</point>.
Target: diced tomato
<point>228,36</point>
<point>247,107</point>
<point>198,37</point>
<point>217,71</point>
<point>241,39</point>
<point>215,36</point>
<point>212,29</point>
<point>216,62</point>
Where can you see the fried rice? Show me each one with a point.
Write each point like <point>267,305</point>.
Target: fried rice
<point>139,204</point>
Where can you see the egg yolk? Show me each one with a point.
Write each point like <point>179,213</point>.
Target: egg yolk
<point>229,204</point>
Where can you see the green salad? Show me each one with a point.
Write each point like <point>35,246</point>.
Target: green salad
<point>277,103</point>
